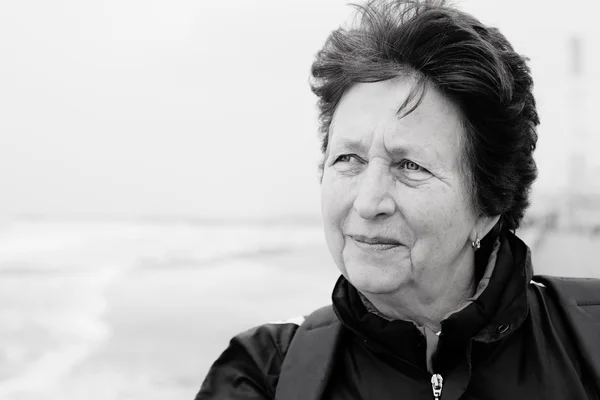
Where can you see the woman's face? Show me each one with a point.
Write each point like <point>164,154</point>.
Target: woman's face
<point>394,201</point>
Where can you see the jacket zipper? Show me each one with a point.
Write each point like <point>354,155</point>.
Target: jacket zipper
<point>436,385</point>
<point>436,379</point>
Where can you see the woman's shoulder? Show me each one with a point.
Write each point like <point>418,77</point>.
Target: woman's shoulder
<point>274,336</point>
<point>277,335</point>
<point>251,363</point>
<point>574,303</point>
<point>582,292</point>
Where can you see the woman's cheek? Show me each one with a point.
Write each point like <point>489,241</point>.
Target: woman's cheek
<point>336,207</point>
<point>330,206</point>
<point>329,211</point>
<point>336,193</point>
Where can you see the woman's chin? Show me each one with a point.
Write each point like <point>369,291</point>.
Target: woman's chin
<point>375,279</point>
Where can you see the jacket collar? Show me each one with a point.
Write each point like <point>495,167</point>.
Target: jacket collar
<point>498,311</point>
<point>513,305</point>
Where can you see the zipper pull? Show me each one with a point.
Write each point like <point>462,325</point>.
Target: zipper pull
<point>436,385</point>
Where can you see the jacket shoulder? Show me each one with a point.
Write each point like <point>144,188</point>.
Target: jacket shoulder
<point>309,360</point>
<point>581,292</point>
<point>252,362</point>
<point>250,366</point>
<point>578,300</point>
<point>321,317</point>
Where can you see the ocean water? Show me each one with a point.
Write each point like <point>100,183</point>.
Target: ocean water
<point>114,310</point>
<point>140,310</point>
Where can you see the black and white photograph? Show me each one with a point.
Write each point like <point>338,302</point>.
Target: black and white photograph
<point>299,200</point>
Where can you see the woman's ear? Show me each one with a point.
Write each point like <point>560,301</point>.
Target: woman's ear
<point>483,226</point>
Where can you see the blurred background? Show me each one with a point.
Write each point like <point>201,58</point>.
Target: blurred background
<point>158,166</point>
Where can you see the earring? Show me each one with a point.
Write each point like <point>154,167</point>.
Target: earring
<point>476,245</point>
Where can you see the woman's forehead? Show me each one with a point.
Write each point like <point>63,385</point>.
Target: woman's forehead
<point>369,110</point>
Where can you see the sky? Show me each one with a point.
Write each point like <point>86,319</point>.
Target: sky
<point>203,108</point>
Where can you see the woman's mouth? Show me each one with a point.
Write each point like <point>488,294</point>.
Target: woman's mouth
<point>375,242</point>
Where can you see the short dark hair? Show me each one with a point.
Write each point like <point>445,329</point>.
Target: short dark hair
<point>470,63</point>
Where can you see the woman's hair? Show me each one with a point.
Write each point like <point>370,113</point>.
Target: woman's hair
<point>470,63</point>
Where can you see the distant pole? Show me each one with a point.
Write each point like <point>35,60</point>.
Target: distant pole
<point>575,56</point>
<point>577,135</point>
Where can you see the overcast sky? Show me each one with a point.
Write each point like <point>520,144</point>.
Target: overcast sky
<point>202,108</point>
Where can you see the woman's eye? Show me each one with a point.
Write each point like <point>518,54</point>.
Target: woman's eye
<point>346,158</point>
<point>411,166</point>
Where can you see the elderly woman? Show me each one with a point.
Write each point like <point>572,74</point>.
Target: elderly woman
<point>428,126</point>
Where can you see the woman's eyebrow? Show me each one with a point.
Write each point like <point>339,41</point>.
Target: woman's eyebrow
<point>353,146</point>
<point>397,152</point>
<point>410,150</point>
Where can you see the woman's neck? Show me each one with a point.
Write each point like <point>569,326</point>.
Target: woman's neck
<point>429,310</point>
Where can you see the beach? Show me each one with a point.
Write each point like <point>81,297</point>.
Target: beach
<point>130,310</point>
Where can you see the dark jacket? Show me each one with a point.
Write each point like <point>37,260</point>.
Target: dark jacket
<point>511,343</point>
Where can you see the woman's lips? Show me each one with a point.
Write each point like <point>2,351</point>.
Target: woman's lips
<point>375,243</point>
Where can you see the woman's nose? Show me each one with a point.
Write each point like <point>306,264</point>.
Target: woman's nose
<point>374,193</point>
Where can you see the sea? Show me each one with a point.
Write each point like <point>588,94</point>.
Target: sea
<point>128,309</point>
<point>139,309</point>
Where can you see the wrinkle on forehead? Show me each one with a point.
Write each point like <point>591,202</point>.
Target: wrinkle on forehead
<point>434,112</point>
